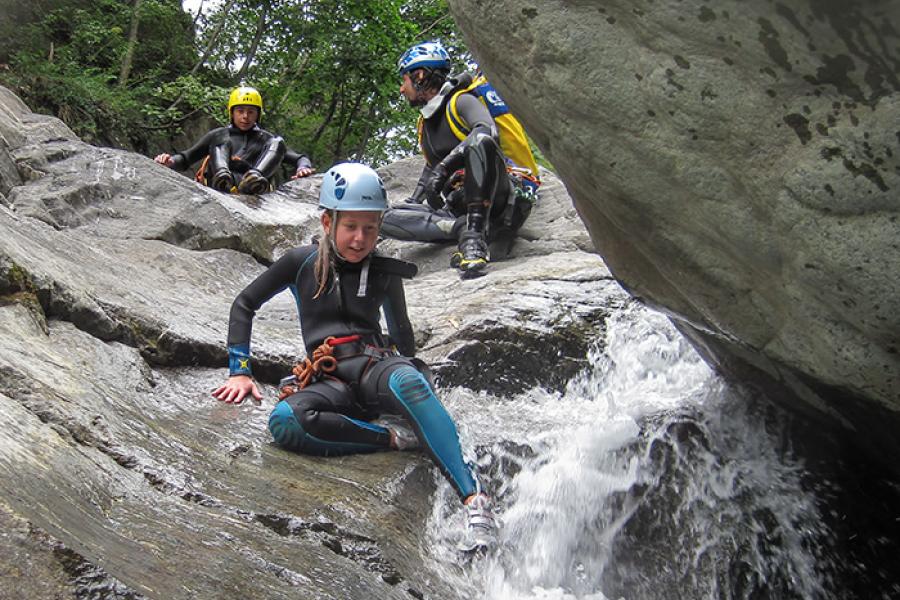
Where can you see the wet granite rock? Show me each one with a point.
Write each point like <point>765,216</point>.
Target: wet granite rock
<point>737,165</point>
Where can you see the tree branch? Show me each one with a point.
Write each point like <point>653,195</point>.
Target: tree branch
<point>432,26</point>
<point>251,54</point>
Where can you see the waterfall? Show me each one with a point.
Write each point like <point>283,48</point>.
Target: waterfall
<point>648,478</point>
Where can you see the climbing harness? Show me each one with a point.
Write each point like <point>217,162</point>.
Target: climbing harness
<point>325,360</point>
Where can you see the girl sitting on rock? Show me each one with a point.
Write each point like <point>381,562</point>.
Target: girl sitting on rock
<point>352,393</point>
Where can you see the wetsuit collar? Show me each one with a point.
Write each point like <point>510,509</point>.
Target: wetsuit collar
<point>435,103</point>
<point>452,84</point>
<point>235,129</point>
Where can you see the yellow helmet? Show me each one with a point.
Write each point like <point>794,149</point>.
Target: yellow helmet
<point>244,96</point>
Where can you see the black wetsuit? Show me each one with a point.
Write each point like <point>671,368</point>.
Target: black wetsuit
<point>255,148</point>
<point>440,144</point>
<point>332,416</point>
<point>485,180</point>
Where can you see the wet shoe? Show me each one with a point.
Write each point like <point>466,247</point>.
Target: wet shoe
<point>481,527</point>
<point>253,183</point>
<point>222,181</point>
<point>402,435</point>
<point>472,255</point>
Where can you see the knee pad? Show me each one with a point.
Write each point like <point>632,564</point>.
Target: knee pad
<point>285,428</point>
<point>409,386</point>
<point>376,384</point>
<point>270,159</point>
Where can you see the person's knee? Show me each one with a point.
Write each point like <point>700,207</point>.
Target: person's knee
<point>410,387</point>
<point>485,180</point>
<point>285,427</point>
<point>293,427</point>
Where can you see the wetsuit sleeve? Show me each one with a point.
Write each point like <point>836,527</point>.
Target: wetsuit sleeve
<point>184,159</point>
<point>297,160</point>
<point>476,116</point>
<point>399,327</point>
<point>273,280</point>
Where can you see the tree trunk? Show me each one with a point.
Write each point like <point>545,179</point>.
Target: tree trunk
<point>288,77</point>
<point>132,43</point>
<point>345,122</point>
<point>197,16</point>
<point>360,150</point>
<point>327,120</point>
<point>254,46</point>
<point>213,38</point>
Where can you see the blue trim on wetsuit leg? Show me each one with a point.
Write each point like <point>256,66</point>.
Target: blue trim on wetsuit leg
<point>411,389</point>
<point>370,426</point>
<point>288,433</point>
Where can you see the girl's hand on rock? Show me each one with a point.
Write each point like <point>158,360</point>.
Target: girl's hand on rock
<point>236,389</point>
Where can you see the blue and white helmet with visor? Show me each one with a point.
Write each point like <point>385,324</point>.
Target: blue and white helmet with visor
<point>426,55</point>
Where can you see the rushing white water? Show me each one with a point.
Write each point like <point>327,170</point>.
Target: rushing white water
<point>648,478</point>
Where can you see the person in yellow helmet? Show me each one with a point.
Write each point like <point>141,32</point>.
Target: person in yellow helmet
<point>242,157</point>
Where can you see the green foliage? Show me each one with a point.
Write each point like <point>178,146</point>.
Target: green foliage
<point>190,91</point>
<point>326,69</point>
<point>69,62</point>
<point>539,157</point>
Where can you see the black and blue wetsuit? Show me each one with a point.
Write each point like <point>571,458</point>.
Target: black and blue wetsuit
<point>333,415</point>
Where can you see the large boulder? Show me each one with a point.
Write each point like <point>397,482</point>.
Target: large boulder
<point>737,165</point>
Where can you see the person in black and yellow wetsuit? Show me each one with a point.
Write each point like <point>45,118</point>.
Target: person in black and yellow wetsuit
<point>354,392</point>
<point>242,157</point>
<point>480,178</point>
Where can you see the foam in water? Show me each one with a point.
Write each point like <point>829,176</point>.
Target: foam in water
<point>649,478</point>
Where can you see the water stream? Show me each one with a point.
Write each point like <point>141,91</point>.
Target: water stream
<point>648,478</point>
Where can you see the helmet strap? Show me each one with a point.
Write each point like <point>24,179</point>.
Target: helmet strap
<point>420,79</point>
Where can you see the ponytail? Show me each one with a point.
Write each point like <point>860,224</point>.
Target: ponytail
<point>324,263</point>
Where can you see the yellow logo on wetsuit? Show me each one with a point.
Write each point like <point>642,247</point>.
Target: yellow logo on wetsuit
<point>244,363</point>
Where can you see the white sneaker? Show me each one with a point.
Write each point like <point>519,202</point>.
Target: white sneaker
<point>481,528</point>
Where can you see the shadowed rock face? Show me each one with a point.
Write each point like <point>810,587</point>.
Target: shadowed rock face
<point>737,165</point>
<point>121,477</point>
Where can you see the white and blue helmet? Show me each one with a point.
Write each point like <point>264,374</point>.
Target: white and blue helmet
<point>352,186</point>
<point>429,55</point>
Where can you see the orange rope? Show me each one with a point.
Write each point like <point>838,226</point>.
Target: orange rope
<point>323,361</point>
<point>200,176</point>
<point>523,174</point>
